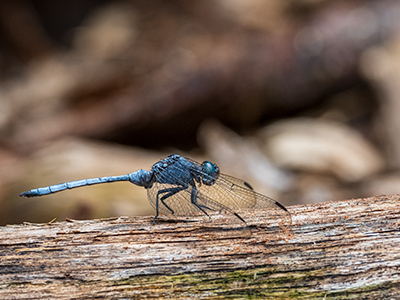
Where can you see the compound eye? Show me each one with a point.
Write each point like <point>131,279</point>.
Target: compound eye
<point>210,173</point>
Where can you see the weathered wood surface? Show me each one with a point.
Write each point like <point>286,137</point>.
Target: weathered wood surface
<point>342,249</point>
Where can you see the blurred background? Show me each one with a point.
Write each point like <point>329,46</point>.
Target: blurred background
<point>300,98</point>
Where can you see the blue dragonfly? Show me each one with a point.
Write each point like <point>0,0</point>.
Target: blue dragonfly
<point>178,185</point>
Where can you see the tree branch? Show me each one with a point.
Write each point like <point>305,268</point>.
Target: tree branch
<point>335,249</point>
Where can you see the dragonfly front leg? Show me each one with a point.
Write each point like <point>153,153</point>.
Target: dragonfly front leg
<point>203,207</point>
<point>193,199</point>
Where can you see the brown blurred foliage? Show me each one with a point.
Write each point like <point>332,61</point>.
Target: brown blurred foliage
<point>309,87</point>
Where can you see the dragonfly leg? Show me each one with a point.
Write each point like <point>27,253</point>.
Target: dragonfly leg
<point>194,201</point>
<point>171,192</point>
<point>239,217</point>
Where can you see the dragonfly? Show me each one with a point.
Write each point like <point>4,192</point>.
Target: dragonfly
<point>178,185</point>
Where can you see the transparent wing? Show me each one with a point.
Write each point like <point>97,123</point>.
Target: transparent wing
<point>242,194</point>
<point>227,193</point>
<point>176,199</point>
<point>239,195</point>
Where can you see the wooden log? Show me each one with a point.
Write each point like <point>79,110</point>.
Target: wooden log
<point>339,249</point>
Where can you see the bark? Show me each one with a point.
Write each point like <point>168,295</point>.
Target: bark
<point>338,249</point>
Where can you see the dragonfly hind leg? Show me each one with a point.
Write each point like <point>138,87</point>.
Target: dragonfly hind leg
<point>171,192</point>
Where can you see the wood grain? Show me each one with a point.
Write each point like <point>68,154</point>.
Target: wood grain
<point>339,249</point>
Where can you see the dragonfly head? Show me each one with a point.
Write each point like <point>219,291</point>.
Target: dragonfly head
<point>210,173</point>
